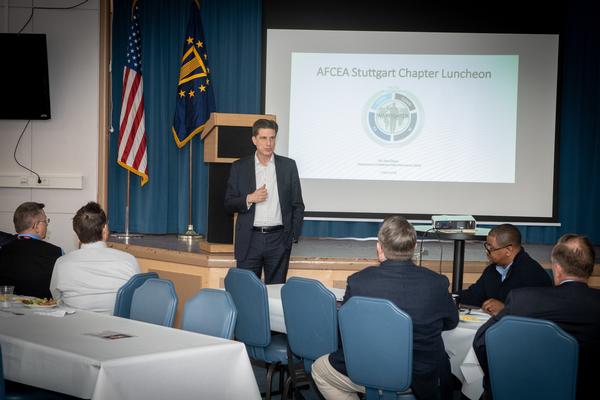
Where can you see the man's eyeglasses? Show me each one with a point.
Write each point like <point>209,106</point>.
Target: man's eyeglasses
<point>46,221</point>
<point>491,249</point>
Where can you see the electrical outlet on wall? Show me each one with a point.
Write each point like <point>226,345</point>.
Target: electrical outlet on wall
<point>46,181</point>
<point>33,181</point>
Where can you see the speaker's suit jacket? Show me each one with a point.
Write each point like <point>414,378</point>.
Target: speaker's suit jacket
<point>242,181</point>
<point>574,307</point>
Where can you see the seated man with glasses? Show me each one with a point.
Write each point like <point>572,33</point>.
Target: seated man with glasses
<point>511,267</point>
<point>28,261</point>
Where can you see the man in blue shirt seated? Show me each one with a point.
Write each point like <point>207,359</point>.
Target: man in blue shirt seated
<point>571,304</point>
<point>511,267</point>
<point>27,262</point>
<point>421,293</point>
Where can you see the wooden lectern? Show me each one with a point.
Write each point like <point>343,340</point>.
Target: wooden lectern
<point>227,137</point>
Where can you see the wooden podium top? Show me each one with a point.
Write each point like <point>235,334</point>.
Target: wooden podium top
<point>227,119</point>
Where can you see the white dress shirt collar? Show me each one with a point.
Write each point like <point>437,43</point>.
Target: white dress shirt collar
<point>257,161</point>
<point>94,245</point>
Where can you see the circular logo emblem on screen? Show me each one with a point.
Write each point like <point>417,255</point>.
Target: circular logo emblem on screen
<point>392,117</point>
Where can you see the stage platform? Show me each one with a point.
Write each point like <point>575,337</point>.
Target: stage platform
<point>328,260</point>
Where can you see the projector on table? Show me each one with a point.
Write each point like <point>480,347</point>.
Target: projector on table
<point>454,223</point>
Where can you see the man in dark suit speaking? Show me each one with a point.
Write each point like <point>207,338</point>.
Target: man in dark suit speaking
<point>571,304</point>
<point>421,293</point>
<point>264,189</point>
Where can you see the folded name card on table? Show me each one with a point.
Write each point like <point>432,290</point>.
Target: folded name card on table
<point>110,335</point>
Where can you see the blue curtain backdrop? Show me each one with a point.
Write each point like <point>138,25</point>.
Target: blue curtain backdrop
<point>233,33</point>
<point>579,171</point>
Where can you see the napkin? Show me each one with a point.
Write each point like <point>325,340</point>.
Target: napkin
<point>55,312</point>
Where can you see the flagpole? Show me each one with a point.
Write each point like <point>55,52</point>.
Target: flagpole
<point>195,99</point>
<point>132,150</point>
<point>126,234</point>
<point>191,233</point>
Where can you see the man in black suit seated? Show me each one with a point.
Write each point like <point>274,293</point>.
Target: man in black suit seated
<point>571,304</point>
<point>28,261</point>
<point>511,267</point>
<point>420,292</point>
<point>6,238</point>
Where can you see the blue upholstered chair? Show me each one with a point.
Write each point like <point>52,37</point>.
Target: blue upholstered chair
<point>253,326</point>
<point>154,302</point>
<point>310,313</point>
<point>211,312</point>
<point>377,341</point>
<point>531,359</point>
<point>125,293</point>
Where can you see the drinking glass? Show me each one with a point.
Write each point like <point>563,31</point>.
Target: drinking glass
<point>6,295</point>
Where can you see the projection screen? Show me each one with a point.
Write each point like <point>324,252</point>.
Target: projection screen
<point>417,123</point>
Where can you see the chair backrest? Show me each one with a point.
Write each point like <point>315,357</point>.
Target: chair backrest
<point>252,302</point>
<point>531,359</point>
<point>211,312</point>
<point>125,293</point>
<point>377,340</point>
<point>310,314</point>
<point>155,302</point>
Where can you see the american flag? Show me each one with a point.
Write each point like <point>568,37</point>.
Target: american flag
<point>132,133</point>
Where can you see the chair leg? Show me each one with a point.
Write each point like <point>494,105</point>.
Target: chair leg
<point>271,369</point>
<point>282,379</point>
<point>297,377</point>
<point>286,388</point>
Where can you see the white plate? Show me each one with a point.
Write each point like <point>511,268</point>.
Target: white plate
<point>40,305</point>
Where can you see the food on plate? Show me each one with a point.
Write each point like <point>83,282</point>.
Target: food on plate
<point>39,302</point>
<point>468,318</point>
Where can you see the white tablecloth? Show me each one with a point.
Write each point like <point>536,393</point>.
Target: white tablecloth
<point>465,366</point>
<point>458,342</point>
<point>57,353</point>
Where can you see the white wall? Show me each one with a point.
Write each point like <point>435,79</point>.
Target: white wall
<point>68,142</point>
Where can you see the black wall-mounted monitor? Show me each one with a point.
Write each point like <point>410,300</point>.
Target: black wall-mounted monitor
<point>25,92</point>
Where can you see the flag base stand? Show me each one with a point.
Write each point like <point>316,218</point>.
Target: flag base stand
<point>190,234</point>
<point>126,235</point>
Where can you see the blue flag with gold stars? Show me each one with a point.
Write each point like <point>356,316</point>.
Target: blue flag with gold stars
<point>195,97</point>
